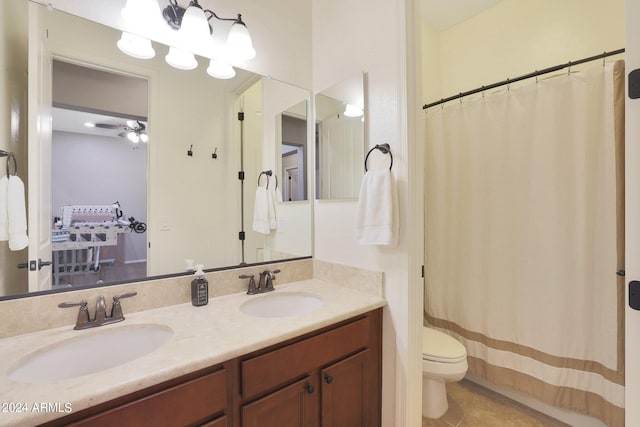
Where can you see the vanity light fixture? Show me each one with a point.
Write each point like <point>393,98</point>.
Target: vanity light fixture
<point>353,111</point>
<point>193,35</point>
<point>194,31</point>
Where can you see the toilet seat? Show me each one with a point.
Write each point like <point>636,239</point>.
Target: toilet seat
<point>440,347</point>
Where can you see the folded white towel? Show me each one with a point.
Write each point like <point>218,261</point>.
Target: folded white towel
<point>377,217</point>
<point>17,213</point>
<point>273,217</point>
<point>261,211</point>
<point>4,210</point>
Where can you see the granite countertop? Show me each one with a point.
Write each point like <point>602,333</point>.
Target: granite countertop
<point>202,336</point>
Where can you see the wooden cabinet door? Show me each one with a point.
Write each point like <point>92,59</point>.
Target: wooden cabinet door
<point>345,401</point>
<point>292,406</point>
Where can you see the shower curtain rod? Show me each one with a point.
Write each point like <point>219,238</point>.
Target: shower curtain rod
<point>524,77</point>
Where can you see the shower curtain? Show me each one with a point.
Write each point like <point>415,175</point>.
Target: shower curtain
<point>525,228</point>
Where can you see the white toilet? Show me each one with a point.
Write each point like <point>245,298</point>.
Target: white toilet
<point>444,360</point>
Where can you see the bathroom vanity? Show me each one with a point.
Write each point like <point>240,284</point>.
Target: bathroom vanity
<point>320,368</point>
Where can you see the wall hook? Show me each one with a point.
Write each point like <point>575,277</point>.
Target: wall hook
<point>214,155</point>
<point>190,151</point>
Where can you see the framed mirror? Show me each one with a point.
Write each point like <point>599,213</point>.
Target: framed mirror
<point>340,139</point>
<point>193,208</point>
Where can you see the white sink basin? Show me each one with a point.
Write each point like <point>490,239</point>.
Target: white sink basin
<point>281,304</point>
<point>90,353</point>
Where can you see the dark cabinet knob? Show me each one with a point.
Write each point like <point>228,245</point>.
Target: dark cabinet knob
<point>328,379</point>
<point>310,388</point>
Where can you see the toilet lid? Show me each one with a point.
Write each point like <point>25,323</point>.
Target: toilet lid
<point>440,347</point>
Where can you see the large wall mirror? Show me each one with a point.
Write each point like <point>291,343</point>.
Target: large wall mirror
<point>155,150</point>
<point>340,139</point>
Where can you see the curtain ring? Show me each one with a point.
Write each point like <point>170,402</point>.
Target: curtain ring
<point>569,68</point>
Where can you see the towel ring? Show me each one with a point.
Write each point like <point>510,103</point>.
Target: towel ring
<point>10,156</point>
<point>385,149</point>
<point>268,174</point>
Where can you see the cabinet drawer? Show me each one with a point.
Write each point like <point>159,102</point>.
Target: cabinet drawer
<point>267,371</point>
<point>182,404</point>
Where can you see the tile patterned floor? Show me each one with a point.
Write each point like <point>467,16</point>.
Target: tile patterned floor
<point>471,405</point>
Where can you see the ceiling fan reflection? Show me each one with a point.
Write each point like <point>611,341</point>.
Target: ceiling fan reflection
<point>135,130</point>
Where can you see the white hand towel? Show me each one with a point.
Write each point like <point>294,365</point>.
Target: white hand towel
<point>377,217</point>
<point>4,210</point>
<point>17,213</point>
<point>261,211</point>
<point>273,217</point>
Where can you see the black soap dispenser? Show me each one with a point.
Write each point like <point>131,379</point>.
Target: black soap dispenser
<point>199,288</point>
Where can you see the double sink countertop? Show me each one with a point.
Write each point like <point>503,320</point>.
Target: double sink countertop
<point>202,336</point>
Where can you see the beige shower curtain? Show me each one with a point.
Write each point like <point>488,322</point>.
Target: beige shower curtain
<point>524,236</point>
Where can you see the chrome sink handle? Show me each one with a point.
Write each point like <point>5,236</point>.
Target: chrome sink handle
<point>116,308</point>
<point>251,289</point>
<point>117,298</point>
<point>83,321</point>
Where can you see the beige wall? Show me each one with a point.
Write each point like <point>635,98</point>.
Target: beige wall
<point>516,37</point>
<point>13,130</point>
<point>376,37</point>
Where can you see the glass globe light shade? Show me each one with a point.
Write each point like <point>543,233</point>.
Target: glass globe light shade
<point>136,46</point>
<point>353,111</point>
<point>220,70</point>
<point>239,44</point>
<point>181,59</point>
<point>133,137</point>
<point>194,33</point>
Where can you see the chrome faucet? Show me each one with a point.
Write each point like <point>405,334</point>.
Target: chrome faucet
<point>84,320</point>
<point>265,283</point>
<point>266,280</point>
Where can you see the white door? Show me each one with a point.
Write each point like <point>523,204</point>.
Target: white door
<point>39,147</point>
